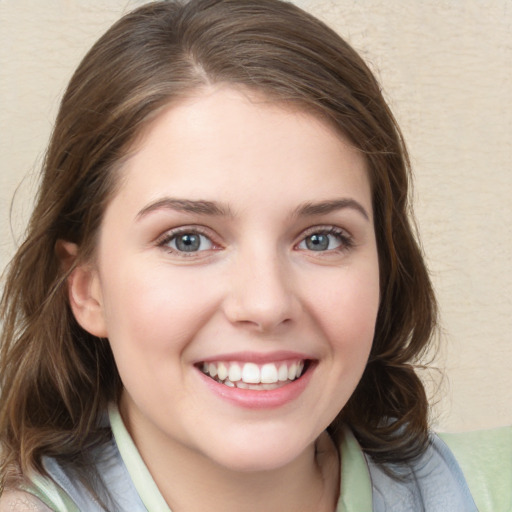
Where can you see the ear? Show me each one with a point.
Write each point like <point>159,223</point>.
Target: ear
<point>84,290</point>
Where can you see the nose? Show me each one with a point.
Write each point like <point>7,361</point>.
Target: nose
<point>261,293</point>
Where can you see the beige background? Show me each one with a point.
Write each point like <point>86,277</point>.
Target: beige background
<point>445,66</point>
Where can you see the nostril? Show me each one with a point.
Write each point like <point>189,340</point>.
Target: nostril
<point>260,317</point>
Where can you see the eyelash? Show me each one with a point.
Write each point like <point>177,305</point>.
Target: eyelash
<point>346,241</point>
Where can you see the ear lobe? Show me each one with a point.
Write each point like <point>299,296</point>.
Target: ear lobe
<point>84,291</point>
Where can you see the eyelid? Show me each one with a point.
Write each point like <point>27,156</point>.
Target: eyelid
<point>325,228</point>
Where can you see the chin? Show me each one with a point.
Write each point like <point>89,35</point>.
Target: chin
<point>260,454</point>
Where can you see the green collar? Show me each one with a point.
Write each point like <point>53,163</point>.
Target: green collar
<point>139,473</point>
<point>355,483</point>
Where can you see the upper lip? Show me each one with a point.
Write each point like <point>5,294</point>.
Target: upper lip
<point>257,357</point>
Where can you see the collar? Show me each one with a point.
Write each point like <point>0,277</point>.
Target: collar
<point>355,483</point>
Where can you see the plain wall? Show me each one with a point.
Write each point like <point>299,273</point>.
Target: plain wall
<point>445,67</point>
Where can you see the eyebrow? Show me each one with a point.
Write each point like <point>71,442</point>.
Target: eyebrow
<point>202,207</point>
<point>329,206</point>
<point>199,207</point>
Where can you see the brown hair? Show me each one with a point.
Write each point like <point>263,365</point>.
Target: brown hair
<point>56,379</point>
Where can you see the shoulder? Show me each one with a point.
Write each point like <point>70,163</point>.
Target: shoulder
<point>434,482</point>
<point>21,501</point>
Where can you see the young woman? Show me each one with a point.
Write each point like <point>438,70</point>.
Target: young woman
<point>220,299</point>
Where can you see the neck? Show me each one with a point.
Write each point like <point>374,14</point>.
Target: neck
<point>217,489</point>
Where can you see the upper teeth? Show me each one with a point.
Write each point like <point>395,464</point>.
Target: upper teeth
<point>252,373</point>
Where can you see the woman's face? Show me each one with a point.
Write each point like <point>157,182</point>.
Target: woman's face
<point>238,253</point>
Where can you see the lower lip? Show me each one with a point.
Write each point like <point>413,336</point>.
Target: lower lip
<point>265,399</point>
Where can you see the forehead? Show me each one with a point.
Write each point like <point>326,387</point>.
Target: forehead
<point>221,140</point>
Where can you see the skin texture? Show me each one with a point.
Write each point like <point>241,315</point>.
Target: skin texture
<point>254,287</point>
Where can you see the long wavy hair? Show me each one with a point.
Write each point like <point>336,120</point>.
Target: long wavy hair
<point>56,379</point>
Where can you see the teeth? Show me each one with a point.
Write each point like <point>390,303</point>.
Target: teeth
<point>235,373</point>
<point>212,370</point>
<point>269,374</point>
<point>283,373</point>
<point>251,373</point>
<point>222,371</point>
<point>252,376</point>
<point>257,387</point>
<point>300,367</point>
<point>292,371</point>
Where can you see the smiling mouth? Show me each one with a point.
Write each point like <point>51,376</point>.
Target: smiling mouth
<point>264,377</point>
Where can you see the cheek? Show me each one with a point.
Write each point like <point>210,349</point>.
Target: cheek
<point>151,320</point>
<point>158,306</point>
<point>346,309</point>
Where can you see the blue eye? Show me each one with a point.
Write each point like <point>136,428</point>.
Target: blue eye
<point>189,242</point>
<point>325,241</point>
